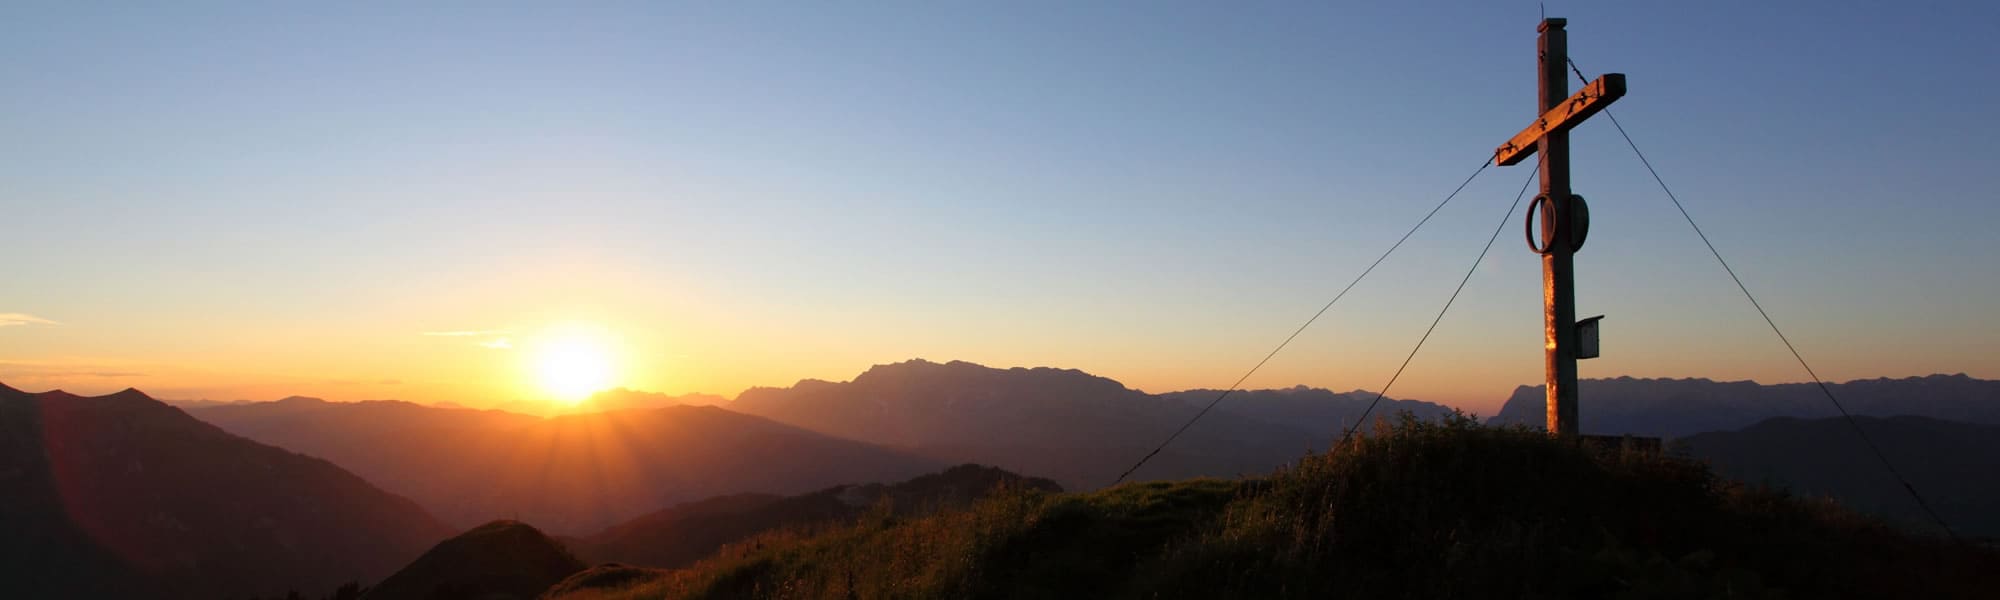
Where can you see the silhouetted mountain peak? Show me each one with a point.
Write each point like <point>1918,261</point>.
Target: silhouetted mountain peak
<point>960,389</point>
<point>1071,425</point>
<point>504,531</point>
<point>128,405</point>
<point>112,495</point>
<point>499,560</point>
<point>921,370</point>
<point>913,368</point>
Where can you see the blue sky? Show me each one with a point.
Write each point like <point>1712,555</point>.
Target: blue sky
<point>246,198</point>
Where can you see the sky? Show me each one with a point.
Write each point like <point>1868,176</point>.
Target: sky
<point>381,200</point>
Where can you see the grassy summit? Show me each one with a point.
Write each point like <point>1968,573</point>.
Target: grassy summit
<point>1431,510</point>
<point>501,560</point>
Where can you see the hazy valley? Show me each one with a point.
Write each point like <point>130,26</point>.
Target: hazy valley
<point>572,473</point>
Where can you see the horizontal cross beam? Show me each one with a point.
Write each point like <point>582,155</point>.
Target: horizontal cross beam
<point>1568,114</point>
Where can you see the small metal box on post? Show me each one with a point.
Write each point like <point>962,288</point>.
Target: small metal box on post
<point>1586,337</point>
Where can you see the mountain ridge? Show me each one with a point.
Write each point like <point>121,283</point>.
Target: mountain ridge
<point>1079,429</point>
<point>1668,407</point>
<point>121,494</point>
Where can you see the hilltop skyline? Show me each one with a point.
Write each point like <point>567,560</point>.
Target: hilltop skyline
<point>254,202</point>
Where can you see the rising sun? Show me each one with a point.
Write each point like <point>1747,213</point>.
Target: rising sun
<point>572,367</point>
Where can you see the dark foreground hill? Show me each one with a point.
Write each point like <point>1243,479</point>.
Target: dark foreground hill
<point>1450,510</point>
<point>1955,465</point>
<point>1679,407</point>
<point>688,532</point>
<point>124,496</point>
<point>502,560</point>
<point>1076,428</point>
<point>571,474</point>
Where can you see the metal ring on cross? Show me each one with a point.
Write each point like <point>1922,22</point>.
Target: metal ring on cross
<point>1528,227</point>
<point>1544,211</point>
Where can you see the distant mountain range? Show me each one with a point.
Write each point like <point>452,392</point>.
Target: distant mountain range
<point>124,496</point>
<point>580,473</point>
<point>1680,407</point>
<point>1956,466</point>
<point>1078,429</point>
<point>570,474</point>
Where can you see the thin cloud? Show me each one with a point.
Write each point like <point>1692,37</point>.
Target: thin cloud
<point>497,344</point>
<point>466,333</point>
<point>7,319</point>
<point>43,369</point>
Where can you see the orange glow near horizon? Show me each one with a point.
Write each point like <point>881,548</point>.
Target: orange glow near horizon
<point>572,362</point>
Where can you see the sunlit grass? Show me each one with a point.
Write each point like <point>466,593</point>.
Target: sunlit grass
<point>1417,509</point>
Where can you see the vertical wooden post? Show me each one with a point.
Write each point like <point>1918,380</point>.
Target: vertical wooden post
<point>1558,266</point>
<point>1564,218</point>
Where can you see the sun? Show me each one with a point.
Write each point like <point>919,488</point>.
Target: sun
<point>572,367</point>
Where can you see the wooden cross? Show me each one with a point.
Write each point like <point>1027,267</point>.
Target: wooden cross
<point>1564,218</point>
